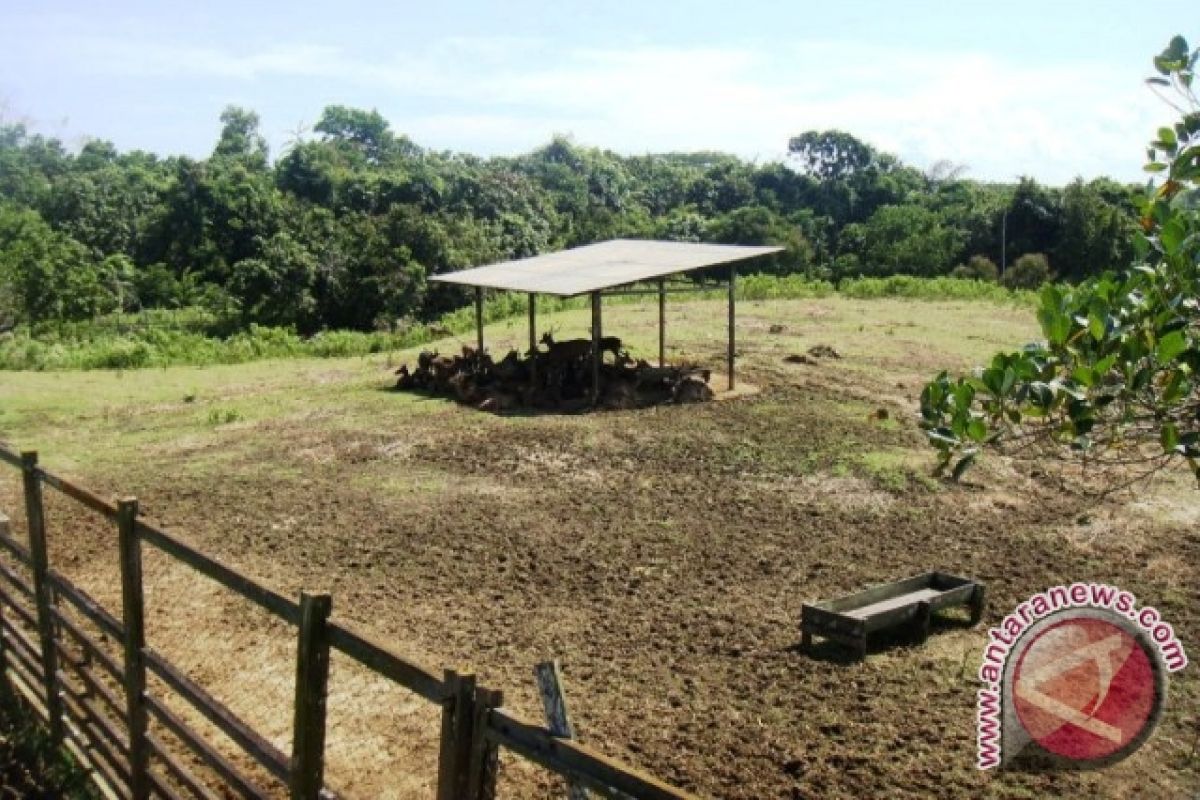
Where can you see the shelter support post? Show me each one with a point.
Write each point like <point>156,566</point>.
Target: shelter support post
<point>662,323</point>
<point>597,355</point>
<point>533,337</point>
<point>732,316</point>
<point>479,319</point>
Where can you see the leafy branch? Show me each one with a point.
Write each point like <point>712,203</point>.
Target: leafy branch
<point>1114,382</point>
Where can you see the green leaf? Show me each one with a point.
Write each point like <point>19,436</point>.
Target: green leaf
<point>1178,387</point>
<point>1172,235</point>
<point>1010,377</point>
<point>977,430</point>
<point>993,379</point>
<point>963,465</point>
<point>1168,436</point>
<point>1084,376</point>
<point>1170,346</point>
<point>1105,365</point>
<point>1055,324</point>
<point>1141,379</point>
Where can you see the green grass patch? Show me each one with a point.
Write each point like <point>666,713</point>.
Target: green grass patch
<point>30,765</point>
<point>174,338</point>
<point>941,288</point>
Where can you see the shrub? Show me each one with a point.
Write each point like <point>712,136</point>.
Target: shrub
<point>977,268</point>
<point>930,289</point>
<point>1028,272</point>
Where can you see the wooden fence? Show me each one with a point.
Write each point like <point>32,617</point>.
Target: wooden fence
<point>95,701</point>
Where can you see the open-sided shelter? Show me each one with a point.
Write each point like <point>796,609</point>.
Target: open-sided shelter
<point>607,268</point>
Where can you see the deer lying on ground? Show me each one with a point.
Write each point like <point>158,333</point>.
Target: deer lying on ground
<point>576,349</point>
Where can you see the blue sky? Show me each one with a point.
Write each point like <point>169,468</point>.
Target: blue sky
<point>1049,89</point>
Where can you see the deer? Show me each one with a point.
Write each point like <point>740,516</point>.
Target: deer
<point>576,349</point>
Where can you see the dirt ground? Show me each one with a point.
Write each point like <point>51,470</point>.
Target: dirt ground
<point>662,555</point>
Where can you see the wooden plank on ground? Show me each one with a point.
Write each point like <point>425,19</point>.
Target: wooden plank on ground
<point>891,603</point>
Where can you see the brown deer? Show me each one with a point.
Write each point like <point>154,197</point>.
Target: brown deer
<point>576,349</point>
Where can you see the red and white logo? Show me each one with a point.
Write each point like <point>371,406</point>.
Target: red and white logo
<point>1075,677</point>
<point>1085,688</point>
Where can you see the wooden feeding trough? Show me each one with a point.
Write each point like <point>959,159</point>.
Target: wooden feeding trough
<point>911,602</point>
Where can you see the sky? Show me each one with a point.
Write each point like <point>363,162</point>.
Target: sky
<point>1052,89</point>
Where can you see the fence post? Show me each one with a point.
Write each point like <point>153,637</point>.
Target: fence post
<point>484,755</point>
<point>312,685</point>
<point>134,620</point>
<point>457,717</point>
<point>36,519</point>
<point>558,719</point>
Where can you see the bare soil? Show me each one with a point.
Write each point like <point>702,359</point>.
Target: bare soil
<point>662,555</point>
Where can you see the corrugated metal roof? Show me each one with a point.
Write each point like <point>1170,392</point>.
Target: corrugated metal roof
<point>601,266</point>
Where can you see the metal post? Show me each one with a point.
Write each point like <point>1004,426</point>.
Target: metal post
<point>35,517</point>
<point>732,314</point>
<point>533,338</point>
<point>479,318</point>
<point>1003,242</point>
<point>133,617</point>
<point>596,354</point>
<point>662,323</point>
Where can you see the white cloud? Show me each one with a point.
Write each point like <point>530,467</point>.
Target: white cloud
<point>491,95</point>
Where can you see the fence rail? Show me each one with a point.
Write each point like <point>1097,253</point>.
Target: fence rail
<point>95,701</point>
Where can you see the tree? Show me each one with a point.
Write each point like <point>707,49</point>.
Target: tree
<point>44,274</point>
<point>831,155</point>
<point>1094,233</point>
<point>760,225</point>
<point>276,287</point>
<point>1115,380</point>
<point>240,139</point>
<point>910,240</point>
<point>1034,220</point>
<point>364,133</point>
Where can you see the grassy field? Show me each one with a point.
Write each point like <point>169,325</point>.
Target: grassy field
<point>194,337</point>
<point>662,555</point>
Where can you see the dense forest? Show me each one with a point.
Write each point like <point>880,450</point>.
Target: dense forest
<point>342,229</point>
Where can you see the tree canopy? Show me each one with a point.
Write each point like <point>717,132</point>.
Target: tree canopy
<point>344,226</point>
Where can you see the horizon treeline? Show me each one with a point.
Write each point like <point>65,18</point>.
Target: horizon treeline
<point>343,228</point>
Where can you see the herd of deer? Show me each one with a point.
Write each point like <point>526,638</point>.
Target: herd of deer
<point>559,377</point>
